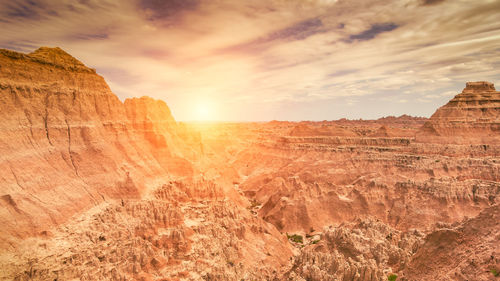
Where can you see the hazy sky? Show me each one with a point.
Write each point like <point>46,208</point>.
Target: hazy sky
<point>271,59</point>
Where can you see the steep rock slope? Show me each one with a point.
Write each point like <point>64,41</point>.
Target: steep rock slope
<point>472,116</point>
<point>65,142</point>
<point>169,142</point>
<point>96,189</point>
<point>465,251</point>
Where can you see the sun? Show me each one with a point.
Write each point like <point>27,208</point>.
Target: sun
<point>204,110</point>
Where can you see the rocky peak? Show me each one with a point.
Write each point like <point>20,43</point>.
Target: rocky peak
<point>479,86</point>
<point>470,117</point>
<point>148,108</point>
<point>476,94</point>
<point>59,58</point>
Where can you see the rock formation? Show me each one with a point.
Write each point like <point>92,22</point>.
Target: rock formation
<point>472,116</point>
<point>65,134</point>
<point>364,250</point>
<point>185,233</point>
<point>325,130</point>
<point>463,251</point>
<point>97,189</point>
<point>77,165</point>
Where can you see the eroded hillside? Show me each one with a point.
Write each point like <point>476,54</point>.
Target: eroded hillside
<point>97,189</point>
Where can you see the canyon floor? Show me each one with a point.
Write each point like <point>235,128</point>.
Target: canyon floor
<point>93,188</point>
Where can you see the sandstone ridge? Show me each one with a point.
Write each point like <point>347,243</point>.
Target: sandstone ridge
<point>98,189</point>
<point>472,116</point>
<point>74,134</point>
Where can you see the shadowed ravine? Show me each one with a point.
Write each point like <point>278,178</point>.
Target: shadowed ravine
<point>93,188</point>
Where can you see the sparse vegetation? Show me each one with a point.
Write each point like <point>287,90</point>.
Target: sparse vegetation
<point>494,272</point>
<point>295,238</point>
<point>315,242</point>
<point>392,277</point>
<point>254,204</point>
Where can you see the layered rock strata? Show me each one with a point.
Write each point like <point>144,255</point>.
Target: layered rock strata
<point>67,141</point>
<point>97,189</point>
<point>472,116</point>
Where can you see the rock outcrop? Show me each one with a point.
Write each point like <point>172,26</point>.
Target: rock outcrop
<point>64,143</point>
<point>472,116</point>
<point>65,134</point>
<point>463,251</point>
<point>185,233</point>
<point>97,189</point>
<point>151,119</point>
<point>302,130</point>
<point>366,250</point>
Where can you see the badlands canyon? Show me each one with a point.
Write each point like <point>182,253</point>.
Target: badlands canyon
<point>93,188</point>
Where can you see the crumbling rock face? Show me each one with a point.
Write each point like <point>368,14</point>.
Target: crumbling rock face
<point>64,135</point>
<point>366,250</point>
<point>94,189</point>
<point>472,116</point>
<point>463,251</point>
<point>315,188</point>
<point>371,250</point>
<point>154,240</point>
<point>97,189</point>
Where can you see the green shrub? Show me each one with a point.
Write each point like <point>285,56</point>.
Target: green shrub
<point>392,277</point>
<point>296,238</point>
<point>315,242</point>
<point>494,272</point>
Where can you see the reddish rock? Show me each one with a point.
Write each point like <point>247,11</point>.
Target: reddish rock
<point>97,189</point>
<point>65,135</point>
<point>114,185</point>
<point>471,117</point>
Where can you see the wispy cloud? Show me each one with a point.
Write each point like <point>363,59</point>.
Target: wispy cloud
<point>373,31</point>
<point>272,57</point>
<point>164,10</point>
<point>431,2</point>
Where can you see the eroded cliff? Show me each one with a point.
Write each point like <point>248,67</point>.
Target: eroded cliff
<point>97,189</point>
<point>472,116</point>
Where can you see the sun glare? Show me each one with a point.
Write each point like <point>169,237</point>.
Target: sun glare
<point>204,111</point>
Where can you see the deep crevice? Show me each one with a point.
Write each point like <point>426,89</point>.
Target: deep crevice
<point>28,117</point>
<point>74,165</point>
<point>45,119</point>
<point>15,177</point>
<point>69,149</point>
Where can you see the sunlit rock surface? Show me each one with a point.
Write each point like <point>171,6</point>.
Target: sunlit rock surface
<point>472,116</point>
<point>98,189</point>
